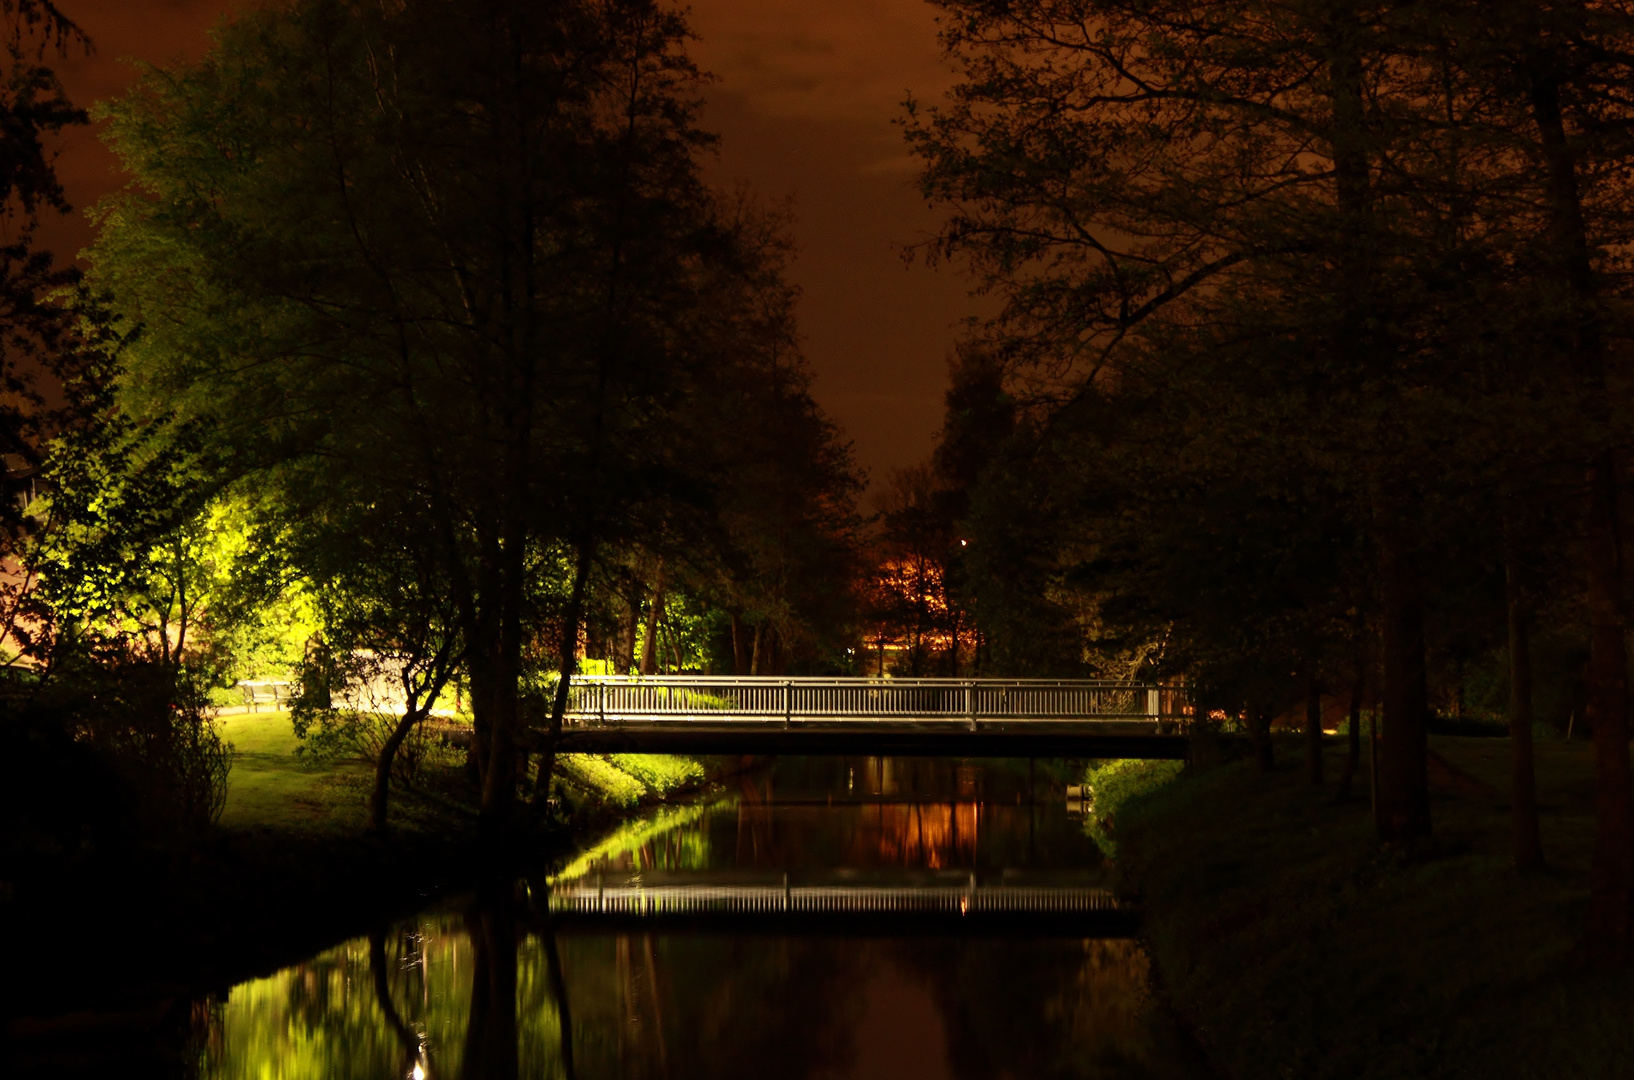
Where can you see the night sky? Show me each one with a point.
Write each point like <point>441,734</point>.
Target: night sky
<point>804,103</point>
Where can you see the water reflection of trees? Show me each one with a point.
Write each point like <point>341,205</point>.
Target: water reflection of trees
<point>479,994</point>
<point>897,814</point>
<point>1041,1009</point>
<point>458,994</point>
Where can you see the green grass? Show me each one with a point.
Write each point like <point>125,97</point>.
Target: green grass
<point>270,787</point>
<point>1296,947</point>
<point>273,788</point>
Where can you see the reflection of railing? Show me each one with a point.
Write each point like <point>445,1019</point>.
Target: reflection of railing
<point>657,900</point>
<point>617,699</point>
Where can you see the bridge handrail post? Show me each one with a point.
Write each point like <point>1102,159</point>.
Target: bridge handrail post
<point>970,703</point>
<point>601,702</point>
<point>788,703</point>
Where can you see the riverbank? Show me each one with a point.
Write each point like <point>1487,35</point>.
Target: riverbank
<point>290,869</point>
<point>1294,946</point>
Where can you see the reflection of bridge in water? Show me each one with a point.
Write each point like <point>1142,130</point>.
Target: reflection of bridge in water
<point>938,904</point>
<point>701,714</point>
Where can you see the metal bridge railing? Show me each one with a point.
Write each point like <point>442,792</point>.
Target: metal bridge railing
<point>589,899</point>
<point>617,699</point>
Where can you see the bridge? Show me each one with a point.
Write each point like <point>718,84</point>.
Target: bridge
<point>706,714</point>
<point>943,905</point>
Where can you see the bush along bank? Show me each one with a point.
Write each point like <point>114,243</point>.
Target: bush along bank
<point>1294,945</point>
<point>1110,784</point>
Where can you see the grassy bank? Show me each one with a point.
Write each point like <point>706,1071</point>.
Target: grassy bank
<point>273,788</point>
<point>1296,947</point>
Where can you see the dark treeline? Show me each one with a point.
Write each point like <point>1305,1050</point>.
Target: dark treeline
<point>1310,372</point>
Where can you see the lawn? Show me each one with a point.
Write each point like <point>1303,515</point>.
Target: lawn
<point>273,788</point>
<point>1297,947</point>
<point>270,787</point>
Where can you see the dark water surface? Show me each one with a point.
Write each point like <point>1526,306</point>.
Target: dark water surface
<point>494,986</point>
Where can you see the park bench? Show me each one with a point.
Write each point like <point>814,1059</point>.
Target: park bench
<point>259,692</point>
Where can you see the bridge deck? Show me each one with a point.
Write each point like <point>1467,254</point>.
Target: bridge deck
<point>926,717</point>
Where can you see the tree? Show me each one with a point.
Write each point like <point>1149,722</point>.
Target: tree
<point>1552,86</point>
<point>913,595</point>
<point>390,632</point>
<point>39,345</point>
<point>764,532</point>
<point>1117,165</point>
<point>1401,227</point>
<point>453,252</point>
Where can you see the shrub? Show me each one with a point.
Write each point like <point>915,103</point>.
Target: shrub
<point>661,773</point>
<point>342,734</point>
<point>1113,783</point>
<point>154,727</point>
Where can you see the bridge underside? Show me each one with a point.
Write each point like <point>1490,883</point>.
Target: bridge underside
<point>1097,924</point>
<point>881,740</point>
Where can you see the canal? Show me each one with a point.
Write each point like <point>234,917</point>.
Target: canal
<point>504,983</point>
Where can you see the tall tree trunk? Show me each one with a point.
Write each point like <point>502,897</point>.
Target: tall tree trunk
<point>1404,783</point>
<point>491,1050</point>
<point>1609,928</point>
<point>758,650</point>
<point>1608,934</point>
<point>1353,737</point>
<point>499,775</point>
<point>1259,733</point>
<point>740,645</point>
<point>1313,730</point>
<point>632,619</point>
<point>1523,797</point>
<point>567,661</point>
<point>407,1037</point>
<point>558,990</point>
<point>1403,779</point>
<point>649,645</point>
<point>491,611</point>
<point>382,767</point>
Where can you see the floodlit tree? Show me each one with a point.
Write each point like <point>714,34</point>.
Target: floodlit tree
<point>453,251</point>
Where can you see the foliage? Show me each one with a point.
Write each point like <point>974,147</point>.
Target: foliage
<point>154,727</point>
<point>337,249</point>
<point>914,591</point>
<point>340,734</point>
<point>1308,360</point>
<point>51,373</point>
<point>126,562</point>
<point>61,802</point>
<point>596,781</point>
<point>593,779</point>
<point>661,773</point>
<point>1111,784</point>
